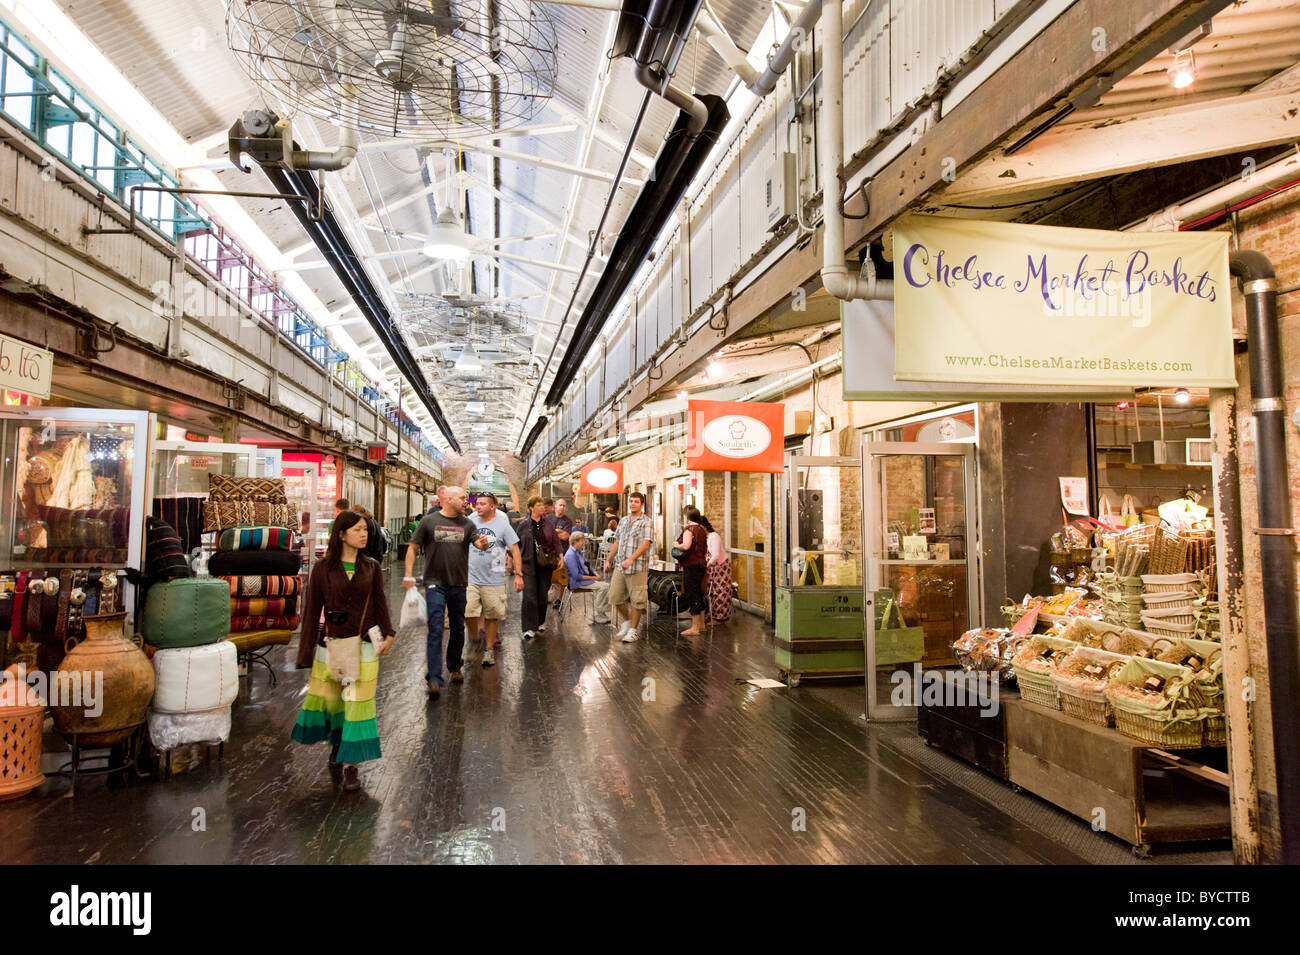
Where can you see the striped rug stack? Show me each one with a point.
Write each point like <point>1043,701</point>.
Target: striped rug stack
<point>255,552</point>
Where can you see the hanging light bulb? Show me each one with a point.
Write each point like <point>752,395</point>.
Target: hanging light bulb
<point>447,240</point>
<point>1182,396</point>
<point>1183,71</point>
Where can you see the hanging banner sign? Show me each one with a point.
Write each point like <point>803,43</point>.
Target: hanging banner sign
<point>736,436</point>
<point>601,477</point>
<point>868,330</point>
<point>1000,302</point>
<point>25,368</point>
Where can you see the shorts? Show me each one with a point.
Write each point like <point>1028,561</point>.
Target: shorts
<point>629,587</point>
<point>486,600</point>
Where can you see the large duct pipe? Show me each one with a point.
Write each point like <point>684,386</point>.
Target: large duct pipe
<point>667,25</point>
<point>835,274</point>
<point>1276,535</point>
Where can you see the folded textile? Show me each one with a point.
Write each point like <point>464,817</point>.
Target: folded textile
<point>247,563</point>
<point>245,624</point>
<point>186,515</point>
<point>164,556</point>
<point>268,490</point>
<point>219,515</point>
<point>255,538</point>
<point>263,606</point>
<point>263,586</point>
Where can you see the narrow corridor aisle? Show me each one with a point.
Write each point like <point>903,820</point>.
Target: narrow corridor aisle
<point>575,748</point>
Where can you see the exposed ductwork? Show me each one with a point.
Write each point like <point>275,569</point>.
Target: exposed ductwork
<point>836,277</point>
<point>760,84</point>
<point>1276,535</point>
<point>653,33</point>
<point>347,265</point>
<point>533,435</point>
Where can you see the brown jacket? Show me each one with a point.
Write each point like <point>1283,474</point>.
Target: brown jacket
<point>331,590</point>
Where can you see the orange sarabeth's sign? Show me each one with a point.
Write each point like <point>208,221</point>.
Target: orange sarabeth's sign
<point>736,436</point>
<point>601,477</point>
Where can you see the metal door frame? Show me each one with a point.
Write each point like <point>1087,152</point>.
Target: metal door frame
<point>872,532</point>
<point>792,463</point>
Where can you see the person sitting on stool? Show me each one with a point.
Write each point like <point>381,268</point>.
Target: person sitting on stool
<point>582,577</point>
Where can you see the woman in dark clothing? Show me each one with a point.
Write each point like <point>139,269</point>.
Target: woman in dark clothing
<point>536,533</point>
<point>348,588</point>
<point>694,541</point>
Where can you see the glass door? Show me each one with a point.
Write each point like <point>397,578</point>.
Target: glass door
<point>921,569</point>
<point>824,503</point>
<point>300,487</point>
<point>749,538</point>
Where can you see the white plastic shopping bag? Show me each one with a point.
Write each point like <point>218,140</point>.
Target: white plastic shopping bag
<point>415,616</point>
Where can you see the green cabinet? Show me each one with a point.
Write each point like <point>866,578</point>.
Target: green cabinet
<point>820,633</point>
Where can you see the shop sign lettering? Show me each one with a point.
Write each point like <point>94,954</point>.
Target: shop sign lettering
<point>25,368</point>
<point>996,302</point>
<point>736,436</point>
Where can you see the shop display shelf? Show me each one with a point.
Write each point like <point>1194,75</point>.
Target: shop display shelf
<point>1147,795</point>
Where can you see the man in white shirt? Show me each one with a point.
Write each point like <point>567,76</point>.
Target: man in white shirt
<point>485,599</point>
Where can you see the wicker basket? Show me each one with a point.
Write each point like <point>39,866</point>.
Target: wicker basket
<point>1171,720</point>
<point>1207,685</point>
<point>1182,600</point>
<point>20,750</point>
<point>1084,696</point>
<point>1136,643</point>
<point>1169,623</point>
<point>1033,666</point>
<point>1170,583</point>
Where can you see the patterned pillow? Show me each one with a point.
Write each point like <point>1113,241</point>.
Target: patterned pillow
<point>255,538</point>
<point>261,490</point>
<point>279,586</point>
<point>220,515</point>
<point>164,557</point>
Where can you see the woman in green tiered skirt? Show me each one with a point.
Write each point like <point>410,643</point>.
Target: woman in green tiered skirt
<point>345,597</point>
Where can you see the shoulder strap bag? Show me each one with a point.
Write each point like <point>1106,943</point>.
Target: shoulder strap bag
<point>343,654</point>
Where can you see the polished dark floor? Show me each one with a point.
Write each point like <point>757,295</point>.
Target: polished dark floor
<point>576,748</point>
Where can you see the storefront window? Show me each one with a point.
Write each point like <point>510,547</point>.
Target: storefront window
<point>749,537</point>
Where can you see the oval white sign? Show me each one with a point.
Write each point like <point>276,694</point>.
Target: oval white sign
<point>602,477</point>
<point>736,436</point>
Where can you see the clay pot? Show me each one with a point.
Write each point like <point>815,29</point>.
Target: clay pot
<point>128,684</point>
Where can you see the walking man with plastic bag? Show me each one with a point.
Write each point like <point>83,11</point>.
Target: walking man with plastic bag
<point>444,537</point>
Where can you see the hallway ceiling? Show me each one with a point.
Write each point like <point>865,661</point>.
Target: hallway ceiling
<point>482,334</point>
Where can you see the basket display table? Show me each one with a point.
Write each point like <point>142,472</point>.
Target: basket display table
<point>974,731</point>
<point>1083,768</point>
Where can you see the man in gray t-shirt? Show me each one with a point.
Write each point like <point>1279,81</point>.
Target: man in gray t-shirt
<point>485,602</point>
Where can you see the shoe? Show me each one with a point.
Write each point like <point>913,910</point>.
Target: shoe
<point>435,690</point>
<point>351,778</point>
<point>336,773</point>
<point>490,657</point>
<point>631,636</point>
<point>528,634</point>
<point>457,676</point>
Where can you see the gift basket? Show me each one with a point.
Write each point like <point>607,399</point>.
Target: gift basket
<point>1034,664</point>
<point>1154,702</point>
<point>988,650</point>
<point>1205,659</point>
<point>1081,680</point>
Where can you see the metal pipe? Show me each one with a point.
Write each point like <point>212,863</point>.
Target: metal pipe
<point>654,70</point>
<point>778,61</point>
<point>1276,535</point>
<point>835,274</point>
<point>314,211</point>
<point>338,158</point>
<point>1268,177</point>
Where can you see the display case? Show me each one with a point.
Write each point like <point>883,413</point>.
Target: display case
<point>301,486</point>
<point>72,494</point>
<point>180,486</point>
